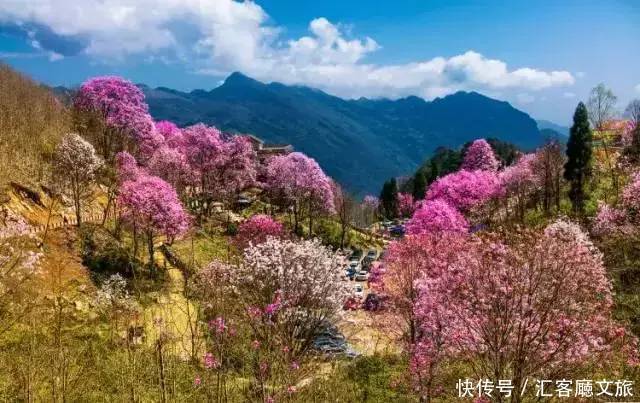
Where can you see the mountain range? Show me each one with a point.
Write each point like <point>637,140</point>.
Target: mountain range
<point>361,142</point>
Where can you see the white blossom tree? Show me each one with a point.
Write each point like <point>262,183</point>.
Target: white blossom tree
<point>75,164</point>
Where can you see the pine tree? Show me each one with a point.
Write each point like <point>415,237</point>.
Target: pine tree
<point>577,170</point>
<point>419,185</point>
<point>389,198</point>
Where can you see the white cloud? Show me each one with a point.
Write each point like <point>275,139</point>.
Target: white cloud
<point>220,36</point>
<point>525,98</point>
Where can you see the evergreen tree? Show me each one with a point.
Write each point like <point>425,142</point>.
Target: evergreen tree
<point>389,198</point>
<point>577,170</point>
<point>419,185</point>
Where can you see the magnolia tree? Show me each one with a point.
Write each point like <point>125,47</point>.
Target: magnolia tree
<point>121,106</point>
<point>257,229</point>
<point>466,190</point>
<point>534,306</point>
<point>171,165</point>
<point>406,204</point>
<point>291,290</point>
<point>220,167</point>
<point>436,216</point>
<point>480,156</point>
<point>520,182</point>
<point>150,206</point>
<point>19,260</point>
<point>298,183</point>
<point>75,164</point>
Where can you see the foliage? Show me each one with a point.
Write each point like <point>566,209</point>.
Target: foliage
<point>577,169</point>
<point>389,199</point>
<point>436,216</point>
<point>151,206</point>
<point>466,190</point>
<point>74,166</point>
<point>257,229</point>
<point>480,156</point>
<point>406,204</point>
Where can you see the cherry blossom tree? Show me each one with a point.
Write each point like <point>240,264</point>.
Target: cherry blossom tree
<point>171,134</point>
<point>292,288</point>
<point>151,206</point>
<point>299,183</point>
<point>466,190</point>
<point>530,306</point>
<point>480,156</point>
<point>257,229</point>
<point>75,164</point>
<point>171,165</point>
<point>406,204</point>
<point>127,168</point>
<point>436,216</point>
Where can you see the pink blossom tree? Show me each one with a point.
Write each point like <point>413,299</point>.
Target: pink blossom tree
<point>120,104</point>
<point>171,165</point>
<point>436,216</point>
<point>75,165</point>
<point>298,183</point>
<point>520,182</point>
<point>406,204</point>
<point>127,168</point>
<point>466,190</point>
<point>480,156</point>
<point>530,307</point>
<point>257,229</point>
<point>150,206</point>
<point>171,134</point>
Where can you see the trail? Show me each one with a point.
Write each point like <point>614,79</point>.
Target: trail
<point>172,315</point>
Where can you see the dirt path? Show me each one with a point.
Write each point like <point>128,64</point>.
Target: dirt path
<point>171,314</point>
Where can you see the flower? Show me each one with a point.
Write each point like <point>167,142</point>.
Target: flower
<point>210,361</point>
<point>197,381</point>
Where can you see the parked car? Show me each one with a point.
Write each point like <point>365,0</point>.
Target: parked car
<point>358,290</point>
<point>362,276</point>
<point>356,255</point>
<point>372,254</point>
<point>397,231</point>
<point>366,263</point>
<point>374,302</point>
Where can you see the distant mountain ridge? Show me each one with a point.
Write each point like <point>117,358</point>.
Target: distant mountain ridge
<point>360,143</point>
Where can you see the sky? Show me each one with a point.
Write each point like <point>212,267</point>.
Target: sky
<point>543,57</point>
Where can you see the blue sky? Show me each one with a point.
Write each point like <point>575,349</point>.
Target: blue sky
<point>541,56</point>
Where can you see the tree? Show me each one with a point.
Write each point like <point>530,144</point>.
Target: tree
<point>256,230</point>
<point>345,208</point>
<point>601,109</point>
<point>150,205</point>
<point>436,216</point>
<point>419,185</point>
<point>577,169</point>
<point>520,182</point>
<point>534,305</point>
<point>631,135</point>
<point>75,164</point>
<point>480,156</point>
<point>171,165</point>
<point>406,204</point>
<point>549,166</point>
<point>466,190</point>
<point>292,288</point>
<point>298,183</point>
<point>389,198</point>
<point>119,105</point>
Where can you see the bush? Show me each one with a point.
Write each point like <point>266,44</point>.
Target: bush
<point>103,254</point>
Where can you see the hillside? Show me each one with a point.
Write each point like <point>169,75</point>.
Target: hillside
<point>360,142</point>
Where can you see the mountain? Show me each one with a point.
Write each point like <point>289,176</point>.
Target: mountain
<point>360,143</point>
<point>546,125</point>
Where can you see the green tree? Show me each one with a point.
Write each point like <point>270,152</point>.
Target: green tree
<point>632,150</point>
<point>419,185</point>
<point>577,169</point>
<point>389,198</point>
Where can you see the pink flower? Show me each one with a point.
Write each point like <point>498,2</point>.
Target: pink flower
<point>295,366</point>
<point>480,156</point>
<point>218,324</point>
<point>292,389</point>
<point>255,344</point>
<point>210,361</point>
<point>197,381</point>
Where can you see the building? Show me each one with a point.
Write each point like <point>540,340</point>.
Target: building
<point>265,151</point>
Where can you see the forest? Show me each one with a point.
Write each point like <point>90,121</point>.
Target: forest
<point>141,261</point>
